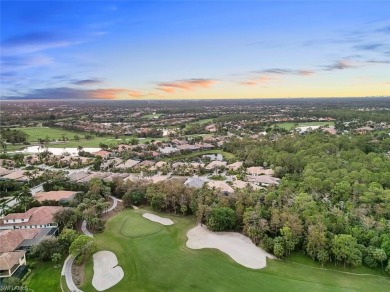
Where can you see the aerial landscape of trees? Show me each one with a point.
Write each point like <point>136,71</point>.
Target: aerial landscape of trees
<point>333,203</point>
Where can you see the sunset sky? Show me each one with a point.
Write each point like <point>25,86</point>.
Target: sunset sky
<point>194,49</point>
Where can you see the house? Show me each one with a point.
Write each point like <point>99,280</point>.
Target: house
<point>10,262</point>
<point>194,182</point>
<point>5,171</point>
<point>12,240</point>
<point>113,176</point>
<point>93,175</point>
<point>188,147</point>
<point>258,170</point>
<point>221,185</point>
<point>205,146</point>
<point>158,178</point>
<point>215,164</point>
<point>76,176</point>
<point>110,163</point>
<point>128,164</point>
<point>17,175</point>
<point>179,164</point>
<point>13,246</point>
<point>168,150</point>
<point>37,217</point>
<point>102,153</point>
<point>59,196</point>
<point>196,165</point>
<point>160,164</point>
<point>264,180</point>
<point>240,184</point>
<point>235,165</point>
<point>146,163</point>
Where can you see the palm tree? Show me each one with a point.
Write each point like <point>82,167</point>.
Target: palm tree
<point>24,197</point>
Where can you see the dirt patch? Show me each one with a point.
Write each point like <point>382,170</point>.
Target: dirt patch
<point>78,274</point>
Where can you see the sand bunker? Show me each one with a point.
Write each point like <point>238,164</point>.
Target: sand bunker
<point>158,219</point>
<point>239,247</point>
<point>106,272</point>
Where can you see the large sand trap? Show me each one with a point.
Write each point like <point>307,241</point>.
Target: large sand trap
<point>158,219</point>
<point>106,272</point>
<point>239,247</point>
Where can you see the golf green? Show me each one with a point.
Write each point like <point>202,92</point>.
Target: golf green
<point>138,226</point>
<point>157,259</point>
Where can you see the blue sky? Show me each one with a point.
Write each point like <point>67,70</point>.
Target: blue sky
<point>194,49</point>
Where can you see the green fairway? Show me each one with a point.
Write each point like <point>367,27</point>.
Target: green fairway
<point>160,261</point>
<point>44,277</point>
<point>52,133</point>
<point>289,126</point>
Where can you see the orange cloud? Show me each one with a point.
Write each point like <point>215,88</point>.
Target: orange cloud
<point>262,80</point>
<point>109,93</point>
<point>135,93</point>
<point>305,72</point>
<point>189,84</point>
<point>114,93</point>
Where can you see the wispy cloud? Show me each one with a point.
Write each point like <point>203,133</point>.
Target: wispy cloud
<point>385,29</point>
<point>187,84</point>
<point>73,93</point>
<point>262,80</point>
<point>340,65</point>
<point>266,76</point>
<point>279,71</point>
<point>369,47</point>
<point>378,61</point>
<point>15,63</point>
<point>87,82</point>
<point>35,42</point>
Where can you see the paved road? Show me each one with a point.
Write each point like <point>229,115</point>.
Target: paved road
<point>114,205</point>
<point>36,189</point>
<point>67,268</point>
<point>67,272</point>
<point>85,230</point>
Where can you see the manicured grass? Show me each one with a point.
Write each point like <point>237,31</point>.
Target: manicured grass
<point>162,262</point>
<point>200,122</point>
<point>137,226</point>
<point>289,126</point>
<point>225,154</point>
<point>53,133</point>
<point>44,277</point>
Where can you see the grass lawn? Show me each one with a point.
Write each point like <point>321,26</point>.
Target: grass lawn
<point>225,154</point>
<point>160,261</point>
<point>53,133</point>
<point>44,277</point>
<point>289,126</point>
<point>200,122</point>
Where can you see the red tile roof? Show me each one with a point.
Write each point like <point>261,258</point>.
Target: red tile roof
<point>11,239</point>
<point>10,259</point>
<point>54,195</point>
<point>38,216</point>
